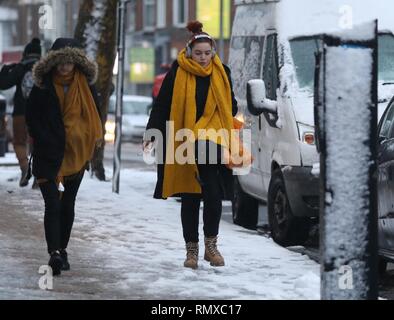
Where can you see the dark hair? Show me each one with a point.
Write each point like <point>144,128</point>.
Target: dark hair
<point>195,27</point>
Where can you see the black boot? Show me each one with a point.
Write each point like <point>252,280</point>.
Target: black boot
<point>24,180</point>
<point>35,185</point>
<point>65,265</point>
<point>55,262</point>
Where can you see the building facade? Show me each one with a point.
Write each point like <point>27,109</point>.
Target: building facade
<point>157,32</point>
<point>45,19</point>
<point>8,29</point>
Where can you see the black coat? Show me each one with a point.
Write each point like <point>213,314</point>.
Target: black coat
<point>161,113</point>
<point>43,114</point>
<point>45,123</point>
<point>12,75</point>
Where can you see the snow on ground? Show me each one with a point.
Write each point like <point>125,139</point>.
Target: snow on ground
<point>9,159</point>
<point>143,239</point>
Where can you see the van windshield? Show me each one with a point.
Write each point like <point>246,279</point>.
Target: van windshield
<point>304,49</point>
<point>303,52</point>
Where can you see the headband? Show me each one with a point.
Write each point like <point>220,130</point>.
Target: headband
<point>199,36</point>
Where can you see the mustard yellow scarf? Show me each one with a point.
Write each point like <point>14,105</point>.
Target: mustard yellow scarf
<point>181,178</point>
<point>81,121</point>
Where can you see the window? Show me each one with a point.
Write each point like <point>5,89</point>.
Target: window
<point>304,52</point>
<point>181,12</point>
<point>149,14</point>
<point>387,128</point>
<point>270,70</point>
<point>132,21</point>
<point>161,13</point>
<point>245,62</point>
<point>386,51</point>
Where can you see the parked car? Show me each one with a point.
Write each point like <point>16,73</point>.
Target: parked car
<point>270,45</point>
<point>9,96</point>
<point>386,186</point>
<point>7,121</point>
<point>134,120</point>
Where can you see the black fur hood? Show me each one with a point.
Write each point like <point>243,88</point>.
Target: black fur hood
<point>64,51</point>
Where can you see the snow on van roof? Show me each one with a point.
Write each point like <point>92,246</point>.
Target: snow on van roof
<point>293,18</point>
<point>309,17</point>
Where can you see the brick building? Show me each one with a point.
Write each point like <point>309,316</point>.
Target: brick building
<point>158,27</point>
<point>45,19</point>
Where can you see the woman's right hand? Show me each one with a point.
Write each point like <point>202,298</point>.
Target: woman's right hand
<point>147,146</point>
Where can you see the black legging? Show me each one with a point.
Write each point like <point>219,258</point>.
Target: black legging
<point>211,195</point>
<point>59,212</point>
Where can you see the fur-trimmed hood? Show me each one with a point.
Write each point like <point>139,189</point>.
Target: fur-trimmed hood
<point>64,55</point>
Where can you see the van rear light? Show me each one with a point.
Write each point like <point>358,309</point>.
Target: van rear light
<point>306,133</point>
<point>309,138</point>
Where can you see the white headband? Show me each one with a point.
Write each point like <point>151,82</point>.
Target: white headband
<point>199,36</point>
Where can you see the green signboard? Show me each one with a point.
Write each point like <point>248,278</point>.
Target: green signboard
<point>208,12</point>
<point>142,65</point>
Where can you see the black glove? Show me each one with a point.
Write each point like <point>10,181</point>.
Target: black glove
<point>8,67</point>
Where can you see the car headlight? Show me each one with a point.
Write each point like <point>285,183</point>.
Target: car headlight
<point>306,133</point>
<point>109,131</point>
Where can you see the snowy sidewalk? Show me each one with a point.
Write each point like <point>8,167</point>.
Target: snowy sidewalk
<point>130,246</point>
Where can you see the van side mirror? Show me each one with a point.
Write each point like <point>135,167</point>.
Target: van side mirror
<point>257,100</point>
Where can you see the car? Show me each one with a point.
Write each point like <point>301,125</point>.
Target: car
<point>134,120</point>
<point>9,97</point>
<point>7,121</point>
<point>272,48</point>
<point>386,187</point>
<point>3,126</point>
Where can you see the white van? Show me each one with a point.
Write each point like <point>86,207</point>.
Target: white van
<point>275,41</point>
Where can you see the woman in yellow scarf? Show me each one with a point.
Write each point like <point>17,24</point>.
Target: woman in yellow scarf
<point>196,102</point>
<point>64,122</point>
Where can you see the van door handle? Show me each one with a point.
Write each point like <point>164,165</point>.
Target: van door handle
<point>259,123</point>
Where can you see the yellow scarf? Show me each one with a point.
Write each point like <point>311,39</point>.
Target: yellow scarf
<point>181,178</point>
<point>81,121</point>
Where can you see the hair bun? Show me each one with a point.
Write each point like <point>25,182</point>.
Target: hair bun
<point>194,27</point>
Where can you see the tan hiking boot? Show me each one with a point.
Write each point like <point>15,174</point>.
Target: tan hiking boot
<point>191,255</point>
<point>212,253</point>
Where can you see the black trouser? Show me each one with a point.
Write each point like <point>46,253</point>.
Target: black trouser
<point>212,198</point>
<point>59,211</point>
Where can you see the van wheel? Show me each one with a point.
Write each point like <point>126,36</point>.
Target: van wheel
<point>245,208</point>
<point>286,229</point>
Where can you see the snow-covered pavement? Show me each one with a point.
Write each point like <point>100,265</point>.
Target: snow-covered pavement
<point>130,246</point>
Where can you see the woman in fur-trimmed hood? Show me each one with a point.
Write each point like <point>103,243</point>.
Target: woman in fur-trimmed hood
<point>63,120</point>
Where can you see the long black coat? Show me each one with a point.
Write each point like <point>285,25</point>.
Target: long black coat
<point>161,113</point>
<point>43,114</point>
<point>45,123</point>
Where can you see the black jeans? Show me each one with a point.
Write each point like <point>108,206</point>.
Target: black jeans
<point>212,198</point>
<point>59,211</point>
